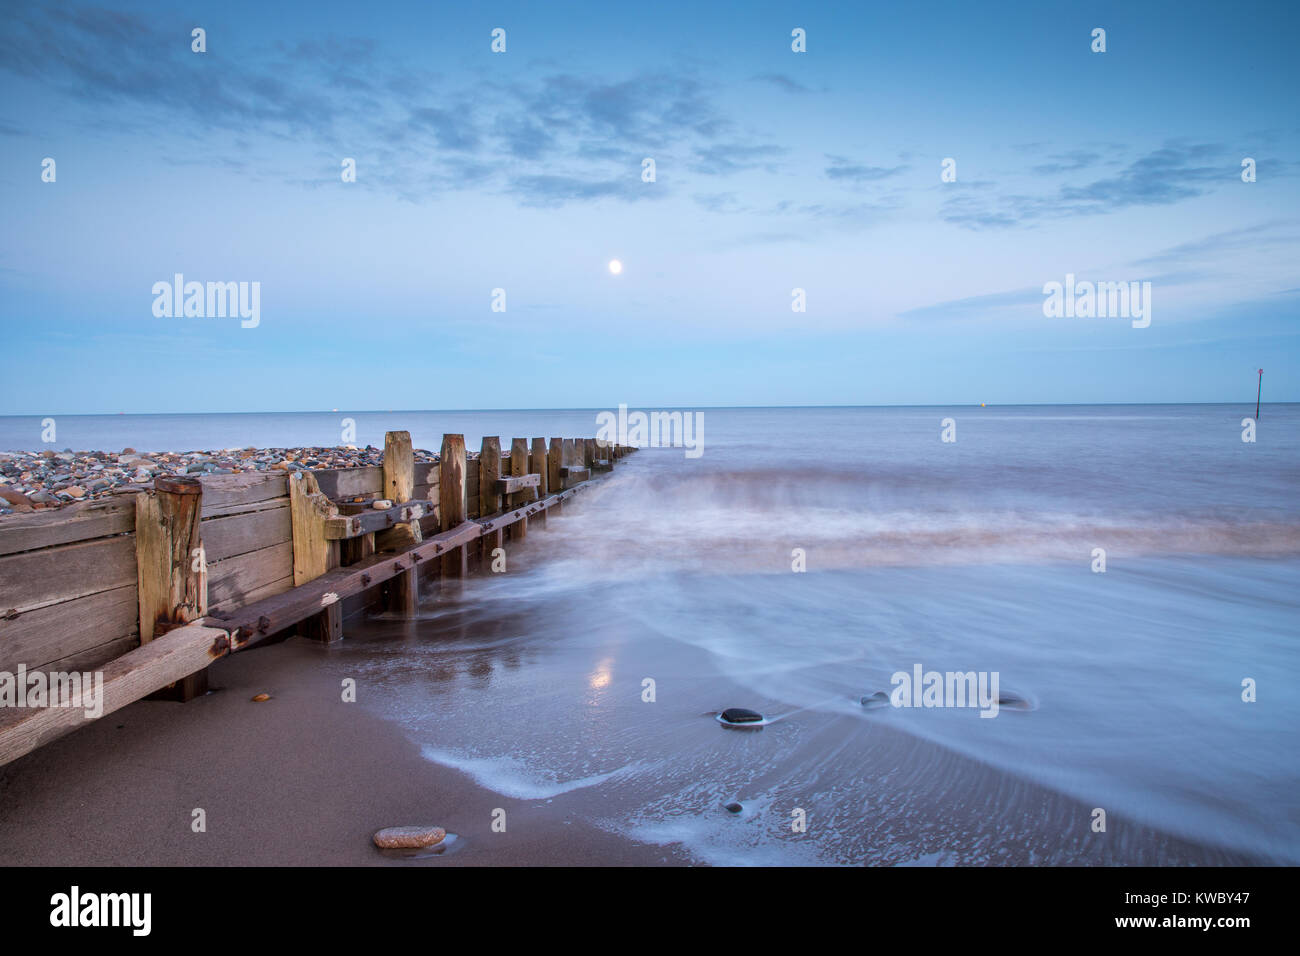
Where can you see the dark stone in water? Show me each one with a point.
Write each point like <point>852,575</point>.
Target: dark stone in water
<point>734,807</point>
<point>1013,701</point>
<point>741,715</point>
<point>878,699</point>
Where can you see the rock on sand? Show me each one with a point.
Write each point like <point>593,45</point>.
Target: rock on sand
<point>397,838</point>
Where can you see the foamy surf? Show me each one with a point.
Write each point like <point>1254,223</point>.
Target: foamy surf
<point>513,778</point>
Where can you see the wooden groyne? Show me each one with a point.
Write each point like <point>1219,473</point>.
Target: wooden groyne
<point>150,588</point>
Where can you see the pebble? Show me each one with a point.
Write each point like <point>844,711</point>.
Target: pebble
<point>878,699</point>
<point>394,838</point>
<point>261,697</point>
<point>36,480</point>
<point>734,807</point>
<point>741,715</point>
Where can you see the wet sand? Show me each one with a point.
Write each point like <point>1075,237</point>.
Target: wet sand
<point>301,779</point>
<point>305,779</point>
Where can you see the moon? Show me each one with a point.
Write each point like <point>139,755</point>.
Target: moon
<point>615,267</point>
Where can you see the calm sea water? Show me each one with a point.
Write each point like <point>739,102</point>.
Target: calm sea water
<point>974,555</point>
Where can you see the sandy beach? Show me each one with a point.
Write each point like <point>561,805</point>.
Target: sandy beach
<point>301,779</point>
<point>305,779</point>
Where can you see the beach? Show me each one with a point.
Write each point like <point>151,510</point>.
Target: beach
<point>564,711</point>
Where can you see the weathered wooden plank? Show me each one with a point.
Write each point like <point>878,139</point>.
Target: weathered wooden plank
<point>79,522</point>
<point>236,578</point>
<point>348,482</point>
<point>425,473</point>
<point>59,630</point>
<point>33,579</point>
<point>227,494</point>
<point>516,483</point>
<point>225,537</point>
<point>368,520</point>
<point>136,674</point>
<point>93,658</point>
<point>260,593</point>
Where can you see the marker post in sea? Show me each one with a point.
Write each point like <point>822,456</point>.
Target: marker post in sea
<point>1258,390</point>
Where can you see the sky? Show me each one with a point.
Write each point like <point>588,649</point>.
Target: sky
<point>522,170</point>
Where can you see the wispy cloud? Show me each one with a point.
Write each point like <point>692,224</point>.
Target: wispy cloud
<point>843,169</point>
<point>783,82</point>
<point>1170,174</point>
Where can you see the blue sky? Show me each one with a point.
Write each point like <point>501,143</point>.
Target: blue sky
<point>522,171</point>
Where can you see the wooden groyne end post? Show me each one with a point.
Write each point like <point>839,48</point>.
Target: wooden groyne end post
<point>313,552</point>
<point>171,569</point>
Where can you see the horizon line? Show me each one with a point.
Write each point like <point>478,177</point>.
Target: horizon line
<point>631,407</point>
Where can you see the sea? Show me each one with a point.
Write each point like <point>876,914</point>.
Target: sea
<point>1130,574</point>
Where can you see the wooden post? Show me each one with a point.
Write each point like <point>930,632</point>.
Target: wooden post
<point>358,548</point>
<point>538,464</point>
<point>589,453</point>
<point>489,470</point>
<point>451,499</point>
<point>554,461</point>
<point>399,487</point>
<point>313,554</point>
<point>171,572</point>
<point>519,466</point>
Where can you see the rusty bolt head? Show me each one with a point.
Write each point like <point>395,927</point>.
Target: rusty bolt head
<point>365,579</point>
